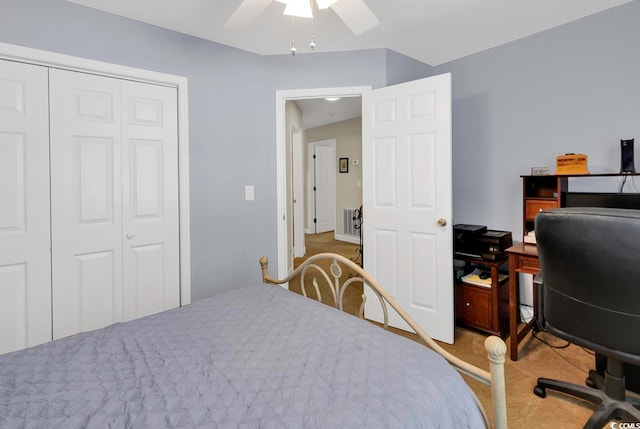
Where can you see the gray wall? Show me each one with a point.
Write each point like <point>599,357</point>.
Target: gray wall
<point>224,150</point>
<point>231,117</point>
<point>575,88</point>
<point>570,89</point>
<point>401,68</point>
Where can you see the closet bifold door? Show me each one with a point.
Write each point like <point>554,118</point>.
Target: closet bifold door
<point>25,262</point>
<point>114,200</point>
<point>150,199</point>
<point>86,198</point>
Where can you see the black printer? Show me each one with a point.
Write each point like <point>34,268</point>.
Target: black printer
<point>477,241</point>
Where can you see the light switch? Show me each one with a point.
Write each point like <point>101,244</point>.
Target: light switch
<point>248,193</point>
<point>359,184</point>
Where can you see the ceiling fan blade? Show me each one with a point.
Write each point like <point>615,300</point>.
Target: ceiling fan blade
<point>247,13</point>
<point>356,15</point>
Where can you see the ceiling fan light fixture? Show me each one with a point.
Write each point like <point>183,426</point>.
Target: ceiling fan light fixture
<point>298,8</point>
<point>325,4</point>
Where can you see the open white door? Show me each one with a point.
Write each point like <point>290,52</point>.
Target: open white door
<point>407,202</point>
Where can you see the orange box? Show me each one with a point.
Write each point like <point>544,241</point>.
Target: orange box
<point>571,163</point>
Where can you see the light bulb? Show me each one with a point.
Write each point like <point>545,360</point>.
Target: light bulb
<point>299,8</point>
<point>323,4</point>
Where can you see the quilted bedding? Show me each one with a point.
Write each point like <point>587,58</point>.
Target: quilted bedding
<point>253,357</point>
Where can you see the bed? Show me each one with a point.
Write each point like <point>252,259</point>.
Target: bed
<point>257,356</point>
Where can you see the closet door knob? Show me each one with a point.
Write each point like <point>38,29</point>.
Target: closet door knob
<point>130,236</point>
<point>442,221</point>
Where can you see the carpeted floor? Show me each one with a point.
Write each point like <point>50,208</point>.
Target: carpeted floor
<point>536,359</point>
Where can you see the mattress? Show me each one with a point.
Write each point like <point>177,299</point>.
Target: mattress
<point>254,357</point>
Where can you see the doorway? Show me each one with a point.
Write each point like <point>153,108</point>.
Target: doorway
<point>406,187</point>
<point>286,167</point>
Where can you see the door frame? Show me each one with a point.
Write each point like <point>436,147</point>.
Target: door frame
<point>297,143</point>
<point>83,65</point>
<point>282,96</point>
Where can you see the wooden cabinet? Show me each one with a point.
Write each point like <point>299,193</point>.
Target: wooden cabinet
<point>541,193</point>
<point>483,307</point>
<point>476,306</point>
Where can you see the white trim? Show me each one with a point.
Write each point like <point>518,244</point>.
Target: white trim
<point>347,238</point>
<point>297,145</point>
<point>84,65</point>
<point>67,62</point>
<point>281,191</point>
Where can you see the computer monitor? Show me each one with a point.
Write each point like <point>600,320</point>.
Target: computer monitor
<point>618,200</point>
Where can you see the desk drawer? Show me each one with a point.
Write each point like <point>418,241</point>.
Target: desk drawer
<point>528,264</point>
<point>532,207</point>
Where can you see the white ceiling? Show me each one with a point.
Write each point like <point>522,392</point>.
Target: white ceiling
<point>318,111</point>
<point>432,31</point>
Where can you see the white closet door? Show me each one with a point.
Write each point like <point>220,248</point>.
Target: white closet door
<point>25,260</point>
<point>150,199</point>
<point>86,212</point>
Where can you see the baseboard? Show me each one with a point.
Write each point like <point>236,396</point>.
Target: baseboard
<point>347,238</point>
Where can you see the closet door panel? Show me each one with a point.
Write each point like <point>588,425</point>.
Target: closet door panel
<point>25,262</point>
<point>150,193</point>
<point>86,202</point>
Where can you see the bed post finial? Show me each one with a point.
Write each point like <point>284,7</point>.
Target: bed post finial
<point>497,349</point>
<point>264,265</point>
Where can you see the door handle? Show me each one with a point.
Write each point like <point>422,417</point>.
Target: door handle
<point>442,221</point>
<point>130,236</point>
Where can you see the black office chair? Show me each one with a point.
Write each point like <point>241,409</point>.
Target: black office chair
<point>589,295</point>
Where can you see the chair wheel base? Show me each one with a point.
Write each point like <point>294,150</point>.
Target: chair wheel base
<point>540,391</point>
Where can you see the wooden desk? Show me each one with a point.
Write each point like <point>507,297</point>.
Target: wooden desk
<point>523,258</point>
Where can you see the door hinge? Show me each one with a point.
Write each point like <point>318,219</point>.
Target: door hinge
<point>315,220</point>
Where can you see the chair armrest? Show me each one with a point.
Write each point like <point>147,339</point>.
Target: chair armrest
<point>538,279</point>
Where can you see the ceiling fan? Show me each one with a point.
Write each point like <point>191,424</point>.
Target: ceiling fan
<point>354,13</point>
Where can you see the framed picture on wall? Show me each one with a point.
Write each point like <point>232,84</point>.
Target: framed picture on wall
<point>344,165</point>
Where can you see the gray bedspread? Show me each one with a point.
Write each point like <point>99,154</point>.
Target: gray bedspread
<point>254,357</point>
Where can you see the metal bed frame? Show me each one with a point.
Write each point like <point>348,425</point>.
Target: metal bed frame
<point>495,346</point>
